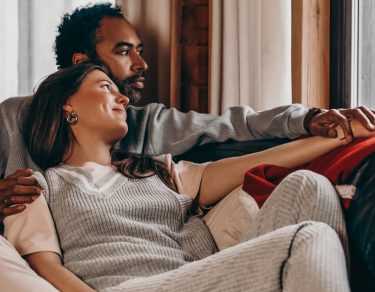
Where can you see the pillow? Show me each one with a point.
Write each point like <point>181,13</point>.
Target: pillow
<point>231,218</point>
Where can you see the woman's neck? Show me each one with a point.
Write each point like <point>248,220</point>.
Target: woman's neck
<point>94,151</point>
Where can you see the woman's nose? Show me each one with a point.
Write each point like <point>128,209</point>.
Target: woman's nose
<point>123,99</point>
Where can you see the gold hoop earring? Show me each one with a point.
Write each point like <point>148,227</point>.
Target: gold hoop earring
<point>72,118</point>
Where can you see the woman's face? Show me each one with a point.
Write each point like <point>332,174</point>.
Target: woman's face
<point>100,108</point>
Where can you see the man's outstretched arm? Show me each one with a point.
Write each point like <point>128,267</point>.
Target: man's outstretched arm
<point>156,130</point>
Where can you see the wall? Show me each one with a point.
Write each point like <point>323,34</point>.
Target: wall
<point>194,55</point>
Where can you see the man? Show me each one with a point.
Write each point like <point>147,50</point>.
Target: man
<point>100,34</point>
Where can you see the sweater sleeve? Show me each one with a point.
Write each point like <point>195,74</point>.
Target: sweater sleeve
<point>156,130</point>
<point>33,229</point>
<point>4,144</point>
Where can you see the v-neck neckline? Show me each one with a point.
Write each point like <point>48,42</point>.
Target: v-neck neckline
<point>83,179</point>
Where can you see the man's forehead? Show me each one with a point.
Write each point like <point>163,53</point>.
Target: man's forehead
<point>117,30</point>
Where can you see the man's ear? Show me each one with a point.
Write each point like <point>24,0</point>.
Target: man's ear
<point>79,57</point>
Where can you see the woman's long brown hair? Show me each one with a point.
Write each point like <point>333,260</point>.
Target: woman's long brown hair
<point>48,136</point>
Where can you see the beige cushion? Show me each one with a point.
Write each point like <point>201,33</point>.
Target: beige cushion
<point>231,218</point>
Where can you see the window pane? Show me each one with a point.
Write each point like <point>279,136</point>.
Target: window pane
<point>366,52</point>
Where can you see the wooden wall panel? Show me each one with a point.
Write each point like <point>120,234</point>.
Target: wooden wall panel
<point>194,56</point>
<point>310,52</point>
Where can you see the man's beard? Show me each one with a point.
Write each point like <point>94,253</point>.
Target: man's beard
<point>125,86</point>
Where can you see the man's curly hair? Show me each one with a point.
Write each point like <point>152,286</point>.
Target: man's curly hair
<point>77,32</point>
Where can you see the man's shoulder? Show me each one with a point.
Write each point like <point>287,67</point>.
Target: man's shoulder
<point>147,107</point>
<point>13,103</point>
<point>11,111</point>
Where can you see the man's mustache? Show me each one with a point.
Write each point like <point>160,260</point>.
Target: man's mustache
<point>135,78</point>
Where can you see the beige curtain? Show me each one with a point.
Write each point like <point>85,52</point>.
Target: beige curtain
<point>8,49</point>
<point>157,23</point>
<point>250,49</point>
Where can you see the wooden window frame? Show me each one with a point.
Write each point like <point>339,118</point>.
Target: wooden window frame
<point>340,53</point>
<point>311,52</point>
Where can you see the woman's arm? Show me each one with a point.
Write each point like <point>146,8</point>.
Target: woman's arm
<point>48,266</point>
<point>221,177</point>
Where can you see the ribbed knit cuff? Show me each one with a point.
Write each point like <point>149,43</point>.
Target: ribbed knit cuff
<point>309,116</point>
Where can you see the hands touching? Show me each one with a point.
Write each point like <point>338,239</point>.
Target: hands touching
<point>325,123</point>
<point>16,190</point>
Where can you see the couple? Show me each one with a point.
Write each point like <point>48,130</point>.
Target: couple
<point>109,40</point>
<point>126,222</point>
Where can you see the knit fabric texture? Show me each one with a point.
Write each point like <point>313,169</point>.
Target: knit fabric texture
<point>124,229</point>
<point>156,130</point>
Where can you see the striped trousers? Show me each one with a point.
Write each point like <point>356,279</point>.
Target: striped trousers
<point>297,242</point>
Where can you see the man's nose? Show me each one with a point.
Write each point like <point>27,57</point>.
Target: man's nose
<point>138,63</point>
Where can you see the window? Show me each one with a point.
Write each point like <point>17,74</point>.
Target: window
<point>364,36</point>
<point>28,29</point>
<point>352,53</point>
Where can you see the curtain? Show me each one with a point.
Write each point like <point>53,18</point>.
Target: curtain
<point>28,31</point>
<point>250,61</point>
<point>8,49</point>
<point>158,23</point>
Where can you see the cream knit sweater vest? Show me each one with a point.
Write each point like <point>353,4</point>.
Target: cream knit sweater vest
<point>124,229</point>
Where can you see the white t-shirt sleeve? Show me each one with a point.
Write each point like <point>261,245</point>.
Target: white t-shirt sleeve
<point>32,230</point>
<point>186,175</point>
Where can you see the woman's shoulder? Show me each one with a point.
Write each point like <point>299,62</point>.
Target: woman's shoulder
<point>47,179</point>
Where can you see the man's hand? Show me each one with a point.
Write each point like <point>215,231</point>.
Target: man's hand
<point>324,124</point>
<point>16,190</point>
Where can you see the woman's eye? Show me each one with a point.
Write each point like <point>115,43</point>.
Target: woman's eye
<point>106,86</point>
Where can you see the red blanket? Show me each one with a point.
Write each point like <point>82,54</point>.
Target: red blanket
<point>336,165</point>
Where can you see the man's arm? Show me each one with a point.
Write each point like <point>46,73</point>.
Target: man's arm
<point>48,266</point>
<point>17,188</point>
<point>324,123</point>
<point>155,130</point>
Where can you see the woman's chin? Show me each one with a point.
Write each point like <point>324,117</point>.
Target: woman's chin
<point>122,132</point>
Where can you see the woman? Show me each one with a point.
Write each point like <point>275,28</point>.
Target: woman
<point>124,222</point>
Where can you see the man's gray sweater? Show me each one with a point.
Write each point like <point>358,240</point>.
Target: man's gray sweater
<point>155,130</point>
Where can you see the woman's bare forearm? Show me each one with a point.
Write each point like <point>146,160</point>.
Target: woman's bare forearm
<point>221,177</point>
<point>48,266</point>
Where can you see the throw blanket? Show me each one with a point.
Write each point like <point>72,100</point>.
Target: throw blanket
<point>336,165</point>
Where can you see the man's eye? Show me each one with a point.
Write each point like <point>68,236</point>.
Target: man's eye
<point>124,52</point>
<point>140,52</point>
